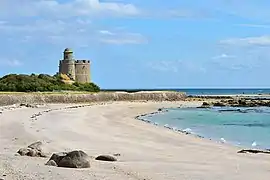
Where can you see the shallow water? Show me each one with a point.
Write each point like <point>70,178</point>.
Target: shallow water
<point>246,127</point>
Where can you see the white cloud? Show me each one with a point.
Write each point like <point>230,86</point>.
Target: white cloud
<point>248,41</point>
<point>223,56</point>
<point>255,25</point>
<point>106,32</point>
<point>64,23</point>
<point>165,66</point>
<point>40,26</point>
<point>176,66</point>
<point>121,38</point>
<point>74,33</point>
<point>257,10</point>
<point>187,13</point>
<point>10,62</point>
<point>54,8</point>
<point>53,31</point>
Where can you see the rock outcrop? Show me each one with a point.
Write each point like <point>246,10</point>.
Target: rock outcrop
<point>28,105</point>
<point>73,159</point>
<point>254,151</point>
<point>237,103</point>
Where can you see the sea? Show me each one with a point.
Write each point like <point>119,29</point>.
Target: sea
<point>234,91</point>
<point>205,91</point>
<point>243,127</point>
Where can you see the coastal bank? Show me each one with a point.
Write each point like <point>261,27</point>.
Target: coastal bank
<point>73,97</point>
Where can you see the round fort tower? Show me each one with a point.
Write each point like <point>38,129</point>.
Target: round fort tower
<point>82,71</point>
<point>67,65</point>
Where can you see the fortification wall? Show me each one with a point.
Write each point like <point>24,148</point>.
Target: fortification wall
<point>82,71</point>
<point>9,99</point>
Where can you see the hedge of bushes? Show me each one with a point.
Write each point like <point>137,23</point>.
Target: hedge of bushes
<point>41,83</point>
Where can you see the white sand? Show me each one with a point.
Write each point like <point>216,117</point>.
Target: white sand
<point>147,151</point>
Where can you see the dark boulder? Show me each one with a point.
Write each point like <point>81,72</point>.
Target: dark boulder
<point>28,105</point>
<point>219,104</point>
<point>242,102</point>
<point>205,105</point>
<point>57,157</point>
<point>231,101</point>
<point>73,159</point>
<point>106,158</point>
<point>254,151</point>
<point>51,163</point>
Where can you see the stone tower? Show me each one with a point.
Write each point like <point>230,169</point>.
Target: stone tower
<point>77,70</point>
<point>82,71</point>
<point>67,65</point>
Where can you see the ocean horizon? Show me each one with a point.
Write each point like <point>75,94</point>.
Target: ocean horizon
<point>205,91</point>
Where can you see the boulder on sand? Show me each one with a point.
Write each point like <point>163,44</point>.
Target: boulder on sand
<point>73,159</point>
<point>51,163</point>
<point>33,150</point>
<point>36,145</point>
<point>106,158</point>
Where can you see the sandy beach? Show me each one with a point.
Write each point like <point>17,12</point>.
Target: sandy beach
<point>146,151</point>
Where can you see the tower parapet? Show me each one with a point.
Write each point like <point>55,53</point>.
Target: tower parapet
<point>82,61</point>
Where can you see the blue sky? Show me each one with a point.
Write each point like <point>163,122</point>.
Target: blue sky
<point>141,43</point>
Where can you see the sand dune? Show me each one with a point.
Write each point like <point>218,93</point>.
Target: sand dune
<point>147,151</point>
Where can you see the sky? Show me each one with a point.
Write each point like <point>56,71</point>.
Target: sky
<point>141,43</point>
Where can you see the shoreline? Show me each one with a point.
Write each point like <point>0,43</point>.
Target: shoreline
<point>179,130</point>
<point>147,151</point>
<point>141,117</point>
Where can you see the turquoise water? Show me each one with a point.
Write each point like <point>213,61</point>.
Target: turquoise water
<point>245,127</point>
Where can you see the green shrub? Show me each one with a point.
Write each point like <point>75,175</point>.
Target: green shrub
<point>41,82</point>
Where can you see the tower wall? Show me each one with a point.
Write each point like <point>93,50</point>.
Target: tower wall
<point>67,67</point>
<point>82,71</point>
<point>68,54</point>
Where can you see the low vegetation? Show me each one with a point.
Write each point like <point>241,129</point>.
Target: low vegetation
<point>41,83</point>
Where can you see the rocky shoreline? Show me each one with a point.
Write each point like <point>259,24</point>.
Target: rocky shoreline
<point>246,97</point>
<point>237,103</point>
